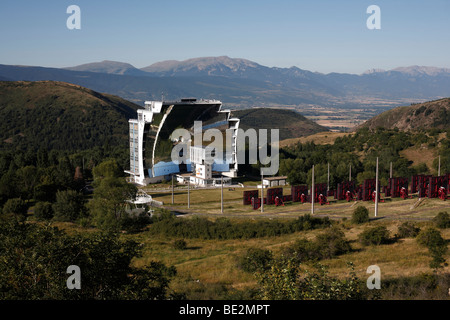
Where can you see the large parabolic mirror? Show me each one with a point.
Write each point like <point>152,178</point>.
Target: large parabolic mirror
<point>151,140</point>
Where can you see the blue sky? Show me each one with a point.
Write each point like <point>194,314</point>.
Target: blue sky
<point>322,35</point>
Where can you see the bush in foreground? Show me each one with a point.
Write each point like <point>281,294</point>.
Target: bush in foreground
<point>360,215</point>
<point>374,236</point>
<point>180,244</point>
<point>256,260</point>
<point>442,220</point>
<point>408,230</point>
<point>437,246</point>
<point>34,260</point>
<point>16,208</point>
<point>43,211</point>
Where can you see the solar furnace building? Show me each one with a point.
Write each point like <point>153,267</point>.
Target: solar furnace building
<point>151,139</point>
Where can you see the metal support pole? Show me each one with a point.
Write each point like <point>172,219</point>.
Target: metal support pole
<point>221,195</point>
<point>376,190</point>
<point>350,173</point>
<point>262,192</point>
<point>328,179</point>
<point>189,195</point>
<point>312,192</point>
<point>172,191</point>
<point>390,172</point>
<point>439,168</point>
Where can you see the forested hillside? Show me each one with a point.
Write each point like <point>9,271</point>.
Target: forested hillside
<point>360,151</point>
<point>61,116</point>
<point>427,115</point>
<point>290,123</point>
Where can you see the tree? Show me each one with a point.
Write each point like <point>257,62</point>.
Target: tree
<point>34,260</point>
<point>27,178</point>
<point>286,281</point>
<point>65,172</point>
<point>107,169</point>
<point>16,208</point>
<point>107,208</point>
<point>69,206</point>
<point>43,211</point>
<point>437,246</point>
<point>8,186</point>
<point>442,220</point>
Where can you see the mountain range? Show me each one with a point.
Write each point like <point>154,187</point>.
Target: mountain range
<point>241,83</point>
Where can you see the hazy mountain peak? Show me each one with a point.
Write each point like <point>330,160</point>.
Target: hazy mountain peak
<point>209,65</point>
<point>108,66</point>
<point>421,70</point>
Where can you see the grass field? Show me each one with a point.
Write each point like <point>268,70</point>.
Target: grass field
<point>318,138</point>
<point>207,202</point>
<point>206,267</point>
<point>209,264</point>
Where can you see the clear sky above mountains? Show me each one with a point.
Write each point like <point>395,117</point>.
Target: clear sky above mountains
<point>325,36</point>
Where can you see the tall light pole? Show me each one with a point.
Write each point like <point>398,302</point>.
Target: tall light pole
<point>262,191</point>
<point>312,192</point>
<point>350,173</point>
<point>376,191</point>
<point>328,178</point>
<point>439,167</point>
<point>390,171</point>
<point>172,190</point>
<point>189,195</point>
<point>221,194</point>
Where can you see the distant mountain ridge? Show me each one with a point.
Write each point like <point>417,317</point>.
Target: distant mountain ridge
<point>107,66</point>
<point>244,83</point>
<point>220,66</point>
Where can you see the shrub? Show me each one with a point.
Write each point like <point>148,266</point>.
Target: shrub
<point>134,223</point>
<point>360,215</point>
<point>437,246</point>
<point>332,243</point>
<point>161,214</point>
<point>327,245</point>
<point>33,260</point>
<point>430,238</point>
<point>442,220</point>
<point>43,211</point>
<point>256,260</point>
<point>15,207</point>
<point>180,244</point>
<point>302,250</point>
<point>286,281</point>
<point>408,230</point>
<point>202,228</point>
<point>374,236</point>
